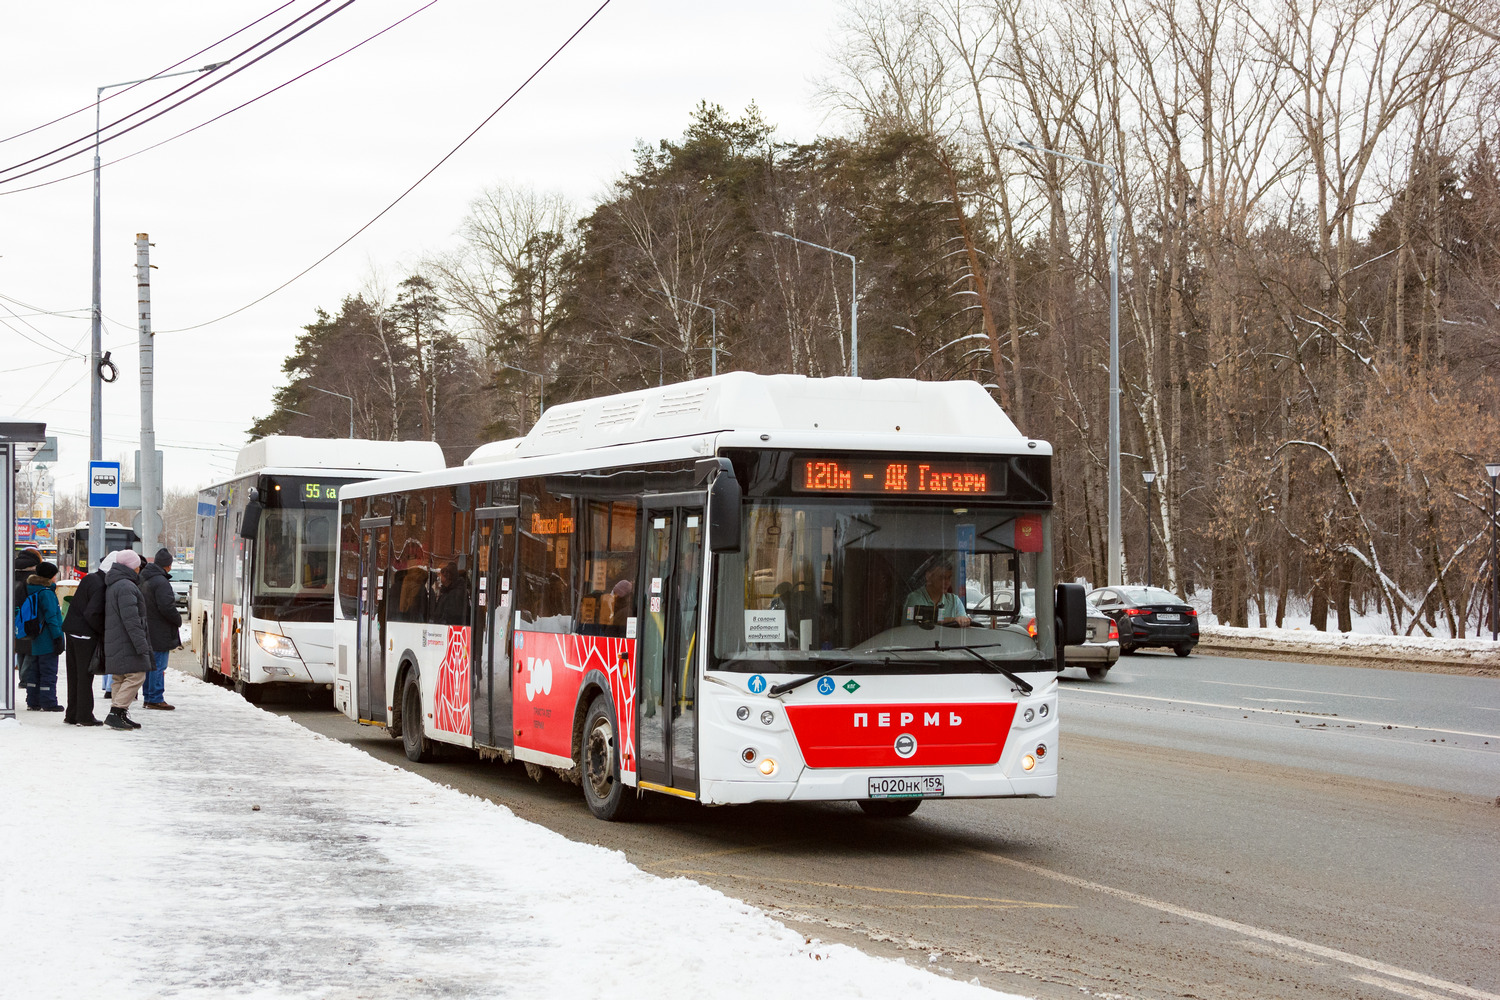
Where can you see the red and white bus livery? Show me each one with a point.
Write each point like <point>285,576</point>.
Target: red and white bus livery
<point>738,589</point>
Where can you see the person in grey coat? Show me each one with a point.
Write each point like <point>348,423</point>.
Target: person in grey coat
<point>127,644</point>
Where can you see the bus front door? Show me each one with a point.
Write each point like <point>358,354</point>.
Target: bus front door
<point>374,563</point>
<point>671,581</point>
<point>491,677</point>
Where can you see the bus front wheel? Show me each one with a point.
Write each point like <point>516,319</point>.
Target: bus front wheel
<point>889,808</point>
<point>413,734</point>
<point>607,796</point>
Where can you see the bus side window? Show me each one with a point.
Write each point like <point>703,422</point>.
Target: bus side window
<point>550,563</point>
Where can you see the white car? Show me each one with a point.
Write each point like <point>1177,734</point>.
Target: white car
<point>1096,654</point>
<point>182,582</point>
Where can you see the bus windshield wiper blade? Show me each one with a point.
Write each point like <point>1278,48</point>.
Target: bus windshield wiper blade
<point>1017,680</point>
<point>784,687</point>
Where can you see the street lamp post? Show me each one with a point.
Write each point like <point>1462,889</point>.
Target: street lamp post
<point>96,345</point>
<point>1493,470</point>
<point>541,386</point>
<point>1149,477</point>
<point>661,358</point>
<point>1114,351</point>
<point>327,392</point>
<point>713,363</point>
<point>853,298</point>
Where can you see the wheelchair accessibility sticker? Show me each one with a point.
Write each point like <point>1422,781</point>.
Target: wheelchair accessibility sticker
<point>825,685</point>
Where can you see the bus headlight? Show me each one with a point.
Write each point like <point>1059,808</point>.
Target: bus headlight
<point>276,645</point>
<point>1028,762</point>
<point>768,767</point>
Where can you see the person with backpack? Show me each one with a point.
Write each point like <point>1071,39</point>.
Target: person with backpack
<point>163,622</point>
<point>84,629</point>
<point>41,619</point>
<point>127,644</point>
<point>26,563</point>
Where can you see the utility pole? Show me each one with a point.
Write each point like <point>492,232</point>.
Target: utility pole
<point>853,298</point>
<point>150,498</point>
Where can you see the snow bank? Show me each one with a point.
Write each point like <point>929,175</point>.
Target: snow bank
<point>226,852</point>
<point>1475,654</point>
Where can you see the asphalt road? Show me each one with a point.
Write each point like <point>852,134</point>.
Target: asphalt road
<point>1225,828</point>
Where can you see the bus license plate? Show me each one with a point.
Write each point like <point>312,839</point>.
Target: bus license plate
<point>1168,618</point>
<point>918,786</point>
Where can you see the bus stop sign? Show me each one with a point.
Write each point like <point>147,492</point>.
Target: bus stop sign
<point>104,484</point>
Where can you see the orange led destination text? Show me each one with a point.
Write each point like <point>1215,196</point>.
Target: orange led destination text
<point>896,477</point>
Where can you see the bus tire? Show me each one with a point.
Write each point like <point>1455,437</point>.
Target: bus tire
<point>250,692</point>
<point>889,808</point>
<point>608,797</point>
<point>413,734</point>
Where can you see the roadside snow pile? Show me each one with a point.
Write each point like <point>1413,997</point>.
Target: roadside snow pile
<point>1476,653</point>
<point>225,851</point>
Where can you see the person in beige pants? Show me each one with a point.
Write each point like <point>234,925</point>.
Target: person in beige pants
<point>127,644</point>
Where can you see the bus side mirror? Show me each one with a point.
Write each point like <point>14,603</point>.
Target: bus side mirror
<point>1072,614</point>
<point>250,525</point>
<point>724,501</point>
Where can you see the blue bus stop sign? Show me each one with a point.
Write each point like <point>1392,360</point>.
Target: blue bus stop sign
<point>104,484</point>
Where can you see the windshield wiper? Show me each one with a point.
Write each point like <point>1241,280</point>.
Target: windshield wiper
<point>1021,683</point>
<point>785,686</point>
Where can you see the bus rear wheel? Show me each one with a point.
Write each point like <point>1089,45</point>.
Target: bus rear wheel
<point>889,808</point>
<point>413,734</point>
<point>608,797</point>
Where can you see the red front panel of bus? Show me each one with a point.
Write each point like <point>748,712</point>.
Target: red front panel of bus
<point>903,735</point>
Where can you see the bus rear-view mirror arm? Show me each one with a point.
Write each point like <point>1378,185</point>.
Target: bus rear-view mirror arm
<point>724,502</point>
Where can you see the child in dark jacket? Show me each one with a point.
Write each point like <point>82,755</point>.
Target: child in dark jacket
<point>40,674</point>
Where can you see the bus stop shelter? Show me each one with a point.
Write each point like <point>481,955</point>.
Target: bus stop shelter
<point>19,444</point>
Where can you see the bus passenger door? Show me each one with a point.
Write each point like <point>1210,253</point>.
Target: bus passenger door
<point>493,680</point>
<point>667,648</point>
<point>374,560</point>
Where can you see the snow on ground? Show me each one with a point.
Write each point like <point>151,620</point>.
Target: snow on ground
<point>223,851</point>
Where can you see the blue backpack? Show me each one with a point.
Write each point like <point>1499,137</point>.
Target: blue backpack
<point>28,623</point>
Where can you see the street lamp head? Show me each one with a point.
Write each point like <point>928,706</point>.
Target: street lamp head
<point>1149,477</point>
<point>1492,469</point>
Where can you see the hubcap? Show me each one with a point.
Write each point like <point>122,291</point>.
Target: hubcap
<point>601,758</point>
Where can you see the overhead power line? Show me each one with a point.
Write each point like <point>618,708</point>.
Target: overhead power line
<point>414,185</point>
<point>225,114</point>
<point>211,82</point>
<point>165,69</point>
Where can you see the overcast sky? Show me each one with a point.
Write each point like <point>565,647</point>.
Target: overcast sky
<point>243,204</point>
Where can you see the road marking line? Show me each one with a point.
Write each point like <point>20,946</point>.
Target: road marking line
<point>1272,687</point>
<point>1234,926</point>
<point>1284,711</point>
<point>1286,701</point>
<point>1008,903</point>
<point>747,849</point>
<point>1401,988</point>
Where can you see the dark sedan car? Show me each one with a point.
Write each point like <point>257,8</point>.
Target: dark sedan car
<point>1149,616</point>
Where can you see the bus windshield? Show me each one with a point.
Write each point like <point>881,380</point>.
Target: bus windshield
<point>293,564</point>
<point>899,585</point>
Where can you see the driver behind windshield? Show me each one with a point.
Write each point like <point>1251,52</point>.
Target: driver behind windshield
<point>937,593</point>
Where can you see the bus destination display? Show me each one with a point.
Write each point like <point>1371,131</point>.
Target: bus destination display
<point>896,477</point>
<point>320,492</point>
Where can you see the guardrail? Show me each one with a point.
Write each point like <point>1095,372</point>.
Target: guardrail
<point>1475,657</point>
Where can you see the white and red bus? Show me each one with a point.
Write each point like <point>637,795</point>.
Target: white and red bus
<point>743,588</point>
<point>261,601</point>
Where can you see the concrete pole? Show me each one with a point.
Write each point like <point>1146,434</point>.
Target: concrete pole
<point>1114,386</point>
<point>853,318</point>
<point>96,387</point>
<point>150,499</point>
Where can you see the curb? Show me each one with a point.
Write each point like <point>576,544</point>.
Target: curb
<point>1458,662</point>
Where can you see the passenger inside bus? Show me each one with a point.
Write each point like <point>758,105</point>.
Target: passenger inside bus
<point>934,603</point>
<point>452,603</point>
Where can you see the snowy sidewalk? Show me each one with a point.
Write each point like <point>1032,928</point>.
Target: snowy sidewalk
<point>138,865</point>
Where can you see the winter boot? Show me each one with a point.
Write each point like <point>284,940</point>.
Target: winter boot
<point>116,720</point>
<point>125,714</point>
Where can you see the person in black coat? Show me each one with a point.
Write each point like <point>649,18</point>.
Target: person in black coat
<point>127,644</point>
<point>163,622</point>
<point>84,628</point>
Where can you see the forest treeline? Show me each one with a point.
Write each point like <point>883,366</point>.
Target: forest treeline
<point>1308,202</point>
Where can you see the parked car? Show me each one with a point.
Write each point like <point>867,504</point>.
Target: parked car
<point>1096,654</point>
<point>1149,616</point>
<point>182,582</point>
